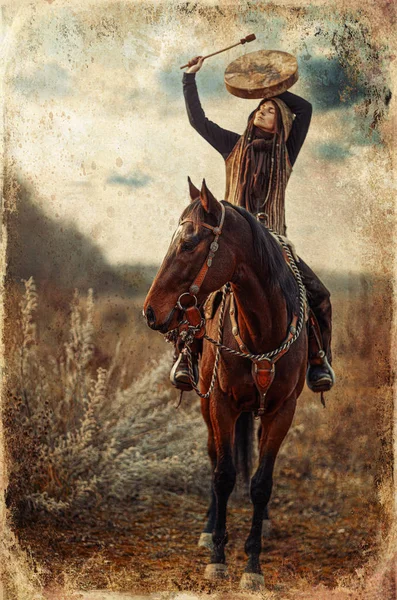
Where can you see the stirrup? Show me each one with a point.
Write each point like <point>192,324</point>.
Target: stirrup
<point>179,375</point>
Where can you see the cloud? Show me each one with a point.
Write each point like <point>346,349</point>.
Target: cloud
<point>332,151</point>
<point>330,86</point>
<point>136,180</point>
<point>49,79</point>
<point>211,81</point>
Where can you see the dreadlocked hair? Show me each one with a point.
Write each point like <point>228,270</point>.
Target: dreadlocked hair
<point>259,171</point>
<point>263,178</point>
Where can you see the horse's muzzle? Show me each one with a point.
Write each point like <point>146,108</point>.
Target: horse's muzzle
<point>150,317</point>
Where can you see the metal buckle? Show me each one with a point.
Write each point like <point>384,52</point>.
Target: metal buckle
<point>179,303</point>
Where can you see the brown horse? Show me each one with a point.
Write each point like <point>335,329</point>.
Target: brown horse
<point>264,297</point>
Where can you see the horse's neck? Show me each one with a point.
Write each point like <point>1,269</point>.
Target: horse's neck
<point>262,315</point>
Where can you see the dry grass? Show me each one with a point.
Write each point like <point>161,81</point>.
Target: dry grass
<point>78,438</point>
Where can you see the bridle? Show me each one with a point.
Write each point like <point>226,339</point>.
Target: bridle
<point>217,230</point>
<point>187,302</point>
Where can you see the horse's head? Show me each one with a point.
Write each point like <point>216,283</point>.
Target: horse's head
<point>185,267</point>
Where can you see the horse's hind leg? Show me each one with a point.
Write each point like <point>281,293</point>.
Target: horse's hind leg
<point>273,433</point>
<point>224,479</point>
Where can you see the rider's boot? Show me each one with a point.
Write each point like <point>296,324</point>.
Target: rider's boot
<point>179,376</point>
<point>320,376</point>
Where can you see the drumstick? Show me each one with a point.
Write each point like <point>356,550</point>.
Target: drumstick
<point>249,38</point>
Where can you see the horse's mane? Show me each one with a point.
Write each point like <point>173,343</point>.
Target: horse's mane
<point>267,251</point>
<point>270,259</point>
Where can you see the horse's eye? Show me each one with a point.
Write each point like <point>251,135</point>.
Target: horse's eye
<point>188,246</point>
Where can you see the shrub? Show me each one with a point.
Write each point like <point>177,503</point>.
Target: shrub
<point>74,441</point>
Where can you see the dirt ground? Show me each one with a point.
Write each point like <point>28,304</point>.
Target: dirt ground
<point>319,536</point>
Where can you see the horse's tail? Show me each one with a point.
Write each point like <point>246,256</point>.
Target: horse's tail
<point>243,445</point>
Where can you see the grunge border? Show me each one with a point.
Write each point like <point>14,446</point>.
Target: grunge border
<point>383,18</point>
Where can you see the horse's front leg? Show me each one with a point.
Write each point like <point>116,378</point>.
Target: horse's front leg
<point>266,523</point>
<point>273,433</point>
<point>205,540</point>
<point>224,478</point>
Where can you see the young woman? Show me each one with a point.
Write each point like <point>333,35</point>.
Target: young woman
<point>258,166</point>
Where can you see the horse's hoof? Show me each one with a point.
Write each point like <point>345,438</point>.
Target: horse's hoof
<point>253,582</point>
<point>267,528</point>
<point>216,571</point>
<point>205,541</point>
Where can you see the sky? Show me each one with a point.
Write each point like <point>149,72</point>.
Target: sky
<point>95,120</point>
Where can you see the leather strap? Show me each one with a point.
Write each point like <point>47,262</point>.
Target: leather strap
<point>194,319</point>
<point>197,283</point>
<point>316,350</point>
<point>263,373</point>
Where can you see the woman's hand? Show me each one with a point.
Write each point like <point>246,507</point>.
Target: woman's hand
<point>195,64</point>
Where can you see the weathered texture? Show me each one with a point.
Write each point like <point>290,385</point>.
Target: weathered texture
<point>94,123</point>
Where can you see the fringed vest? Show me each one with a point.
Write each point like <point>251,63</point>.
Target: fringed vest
<point>257,171</point>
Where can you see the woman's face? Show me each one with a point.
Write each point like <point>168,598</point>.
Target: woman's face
<point>266,117</point>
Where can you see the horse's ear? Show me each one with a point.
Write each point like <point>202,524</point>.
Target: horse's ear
<point>208,201</point>
<point>194,192</point>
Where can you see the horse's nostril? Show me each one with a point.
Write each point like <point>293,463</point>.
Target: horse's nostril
<point>150,316</point>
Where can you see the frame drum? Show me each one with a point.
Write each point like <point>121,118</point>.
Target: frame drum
<point>261,74</point>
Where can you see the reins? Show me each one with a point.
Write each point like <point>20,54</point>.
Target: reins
<point>193,326</point>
